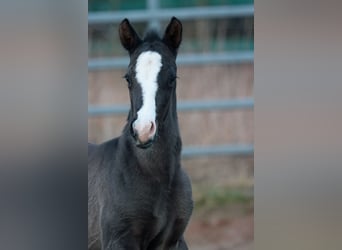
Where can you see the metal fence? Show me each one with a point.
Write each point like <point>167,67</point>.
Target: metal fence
<point>153,14</point>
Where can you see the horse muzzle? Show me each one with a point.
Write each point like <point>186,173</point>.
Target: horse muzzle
<point>144,133</point>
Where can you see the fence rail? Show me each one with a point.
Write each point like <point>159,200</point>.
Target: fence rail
<point>230,104</point>
<point>153,15</point>
<point>185,59</point>
<point>195,151</point>
<point>165,14</point>
<point>213,150</point>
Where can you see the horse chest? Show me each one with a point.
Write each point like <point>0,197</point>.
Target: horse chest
<point>154,218</point>
<point>155,205</point>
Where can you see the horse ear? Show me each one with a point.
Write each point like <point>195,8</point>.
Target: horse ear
<point>173,34</point>
<point>128,37</point>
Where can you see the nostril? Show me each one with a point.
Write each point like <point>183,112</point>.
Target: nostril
<point>134,130</point>
<point>152,127</point>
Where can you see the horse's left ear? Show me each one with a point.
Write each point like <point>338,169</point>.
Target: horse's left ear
<point>173,34</point>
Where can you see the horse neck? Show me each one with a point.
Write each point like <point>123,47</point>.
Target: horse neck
<point>163,158</point>
<point>170,126</point>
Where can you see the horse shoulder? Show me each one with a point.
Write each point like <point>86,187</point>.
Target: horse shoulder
<point>183,194</point>
<point>99,161</point>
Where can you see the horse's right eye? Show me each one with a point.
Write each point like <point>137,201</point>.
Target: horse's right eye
<point>128,81</point>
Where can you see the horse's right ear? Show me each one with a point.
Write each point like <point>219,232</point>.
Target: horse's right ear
<point>128,37</point>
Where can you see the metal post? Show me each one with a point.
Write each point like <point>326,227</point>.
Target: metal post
<point>153,7</point>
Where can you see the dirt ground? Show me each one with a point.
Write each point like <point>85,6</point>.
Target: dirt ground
<point>218,231</point>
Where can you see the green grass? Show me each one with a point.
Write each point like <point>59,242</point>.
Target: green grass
<point>219,197</point>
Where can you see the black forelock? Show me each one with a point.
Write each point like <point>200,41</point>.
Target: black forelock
<point>153,41</point>
<point>151,36</point>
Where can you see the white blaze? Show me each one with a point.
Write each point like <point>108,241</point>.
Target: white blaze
<point>147,70</point>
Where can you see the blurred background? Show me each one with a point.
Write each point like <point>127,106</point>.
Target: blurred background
<point>215,103</point>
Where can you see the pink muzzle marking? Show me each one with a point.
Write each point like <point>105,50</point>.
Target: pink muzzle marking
<point>145,132</point>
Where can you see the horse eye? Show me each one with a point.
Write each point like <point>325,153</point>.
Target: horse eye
<point>172,81</point>
<point>128,81</point>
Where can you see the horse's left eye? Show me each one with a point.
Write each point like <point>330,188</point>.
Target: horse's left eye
<point>172,82</point>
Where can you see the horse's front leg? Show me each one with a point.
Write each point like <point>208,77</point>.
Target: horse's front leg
<point>116,234</point>
<point>119,244</point>
<point>176,240</point>
<point>118,240</point>
<point>180,245</point>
